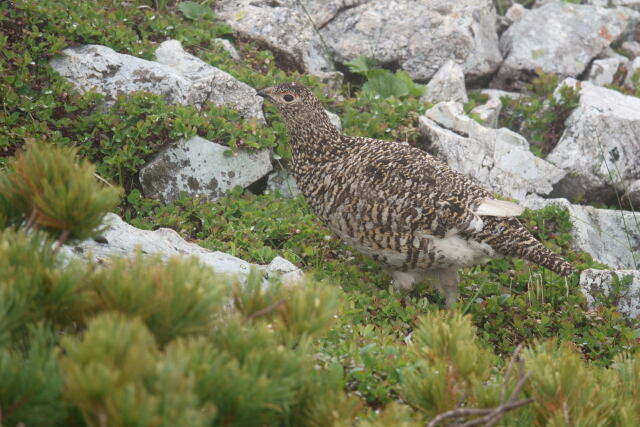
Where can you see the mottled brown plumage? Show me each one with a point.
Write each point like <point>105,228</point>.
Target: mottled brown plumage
<point>399,204</point>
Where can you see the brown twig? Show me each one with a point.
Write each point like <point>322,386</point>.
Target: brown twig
<point>63,238</point>
<point>267,310</point>
<point>490,416</point>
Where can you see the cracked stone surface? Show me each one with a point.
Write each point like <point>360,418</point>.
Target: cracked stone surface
<point>418,36</point>
<point>281,27</point>
<point>124,240</point>
<point>612,237</point>
<point>560,38</point>
<point>446,85</point>
<point>597,285</point>
<point>199,167</point>
<point>600,147</point>
<point>178,76</point>
<point>498,159</point>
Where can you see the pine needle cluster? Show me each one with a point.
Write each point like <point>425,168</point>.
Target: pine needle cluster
<point>50,188</point>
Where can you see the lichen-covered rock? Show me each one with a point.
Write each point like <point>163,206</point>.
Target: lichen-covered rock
<point>620,287</point>
<point>123,240</point>
<point>446,85</point>
<point>489,112</point>
<point>560,38</point>
<point>632,79</point>
<point>201,168</point>
<point>499,159</point>
<point>282,181</point>
<point>208,83</point>
<point>418,36</point>
<point>633,4</point>
<point>631,48</point>
<point>178,76</point>
<point>600,147</point>
<point>100,68</point>
<point>632,195</point>
<point>612,237</point>
<point>603,71</point>
<point>285,30</point>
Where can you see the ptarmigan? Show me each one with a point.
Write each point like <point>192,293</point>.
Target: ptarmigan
<point>399,204</point>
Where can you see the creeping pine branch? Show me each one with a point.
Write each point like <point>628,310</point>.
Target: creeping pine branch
<point>490,416</point>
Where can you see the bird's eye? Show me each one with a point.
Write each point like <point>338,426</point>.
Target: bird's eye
<point>288,98</point>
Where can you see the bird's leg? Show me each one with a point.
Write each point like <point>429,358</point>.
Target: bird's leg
<point>403,282</point>
<point>446,281</point>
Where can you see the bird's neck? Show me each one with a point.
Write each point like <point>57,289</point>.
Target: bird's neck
<point>316,143</point>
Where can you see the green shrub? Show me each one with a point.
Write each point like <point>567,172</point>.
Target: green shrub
<point>36,286</point>
<point>48,187</point>
<point>116,376</point>
<point>540,116</point>
<point>173,298</point>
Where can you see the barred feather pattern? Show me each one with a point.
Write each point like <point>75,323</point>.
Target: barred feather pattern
<point>396,203</point>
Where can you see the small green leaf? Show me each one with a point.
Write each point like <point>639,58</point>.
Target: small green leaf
<point>415,89</point>
<point>193,10</point>
<point>361,65</point>
<point>385,84</point>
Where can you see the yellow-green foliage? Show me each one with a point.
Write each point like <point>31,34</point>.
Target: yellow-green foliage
<point>51,188</point>
<point>115,375</point>
<point>448,363</point>
<point>35,286</point>
<point>568,392</point>
<point>174,298</point>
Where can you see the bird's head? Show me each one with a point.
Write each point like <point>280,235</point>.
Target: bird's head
<point>298,106</point>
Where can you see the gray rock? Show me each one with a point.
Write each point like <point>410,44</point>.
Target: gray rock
<point>489,112</point>
<point>612,237</point>
<point>418,36</point>
<point>633,4</point>
<point>323,11</point>
<point>229,48</point>
<point>632,195</point>
<point>446,85</point>
<point>179,77</point>
<point>283,181</point>
<point>498,94</point>
<point>124,240</point>
<point>200,168</point>
<point>286,31</point>
<point>633,71</point>
<point>208,83</point>
<point>560,38</point>
<point>600,147</point>
<point>112,74</point>
<point>334,119</point>
<point>515,13</point>
<point>598,284</point>
<point>631,48</point>
<point>499,160</point>
<point>603,71</point>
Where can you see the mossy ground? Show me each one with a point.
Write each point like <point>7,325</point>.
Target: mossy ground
<point>510,302</point>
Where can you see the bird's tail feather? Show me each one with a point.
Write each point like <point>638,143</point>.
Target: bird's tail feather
<point>522,244</point>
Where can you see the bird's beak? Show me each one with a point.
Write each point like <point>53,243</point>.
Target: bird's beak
<point>265,93</point>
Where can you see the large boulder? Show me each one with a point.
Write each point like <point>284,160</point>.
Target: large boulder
<point>208,83</point>
<point>418,36</point>
<point>281,27</point>
<point>560,38</point>
<point>612,237</point>
<point>600,147</point>
<point>447,85</point>
<point>498,159</point>
<point>201,168</point>
<point>179,77</point>
<point>100,68</point>
<point>618,287</point>
<point>123,240</point>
